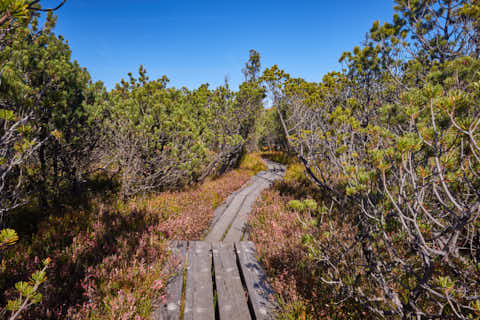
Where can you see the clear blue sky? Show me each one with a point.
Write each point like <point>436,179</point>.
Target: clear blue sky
<point>194,42</point>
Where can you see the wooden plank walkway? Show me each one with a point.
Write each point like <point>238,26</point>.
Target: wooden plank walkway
<point>259,290</point>
<point>228,224</point>
<point>199,289</point>
<point>232,300</point>
<point>223,281</point>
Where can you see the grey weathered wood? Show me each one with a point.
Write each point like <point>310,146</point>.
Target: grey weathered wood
<point>232,301</point>
<point>217,232</point>
<point>199,287</point>
<point>259,290</point>
<point>171,309</point>
<point>231,216</point>
<point>220,210</point>
<point>237,228</point>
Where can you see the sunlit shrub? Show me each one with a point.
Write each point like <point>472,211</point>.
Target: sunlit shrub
<point>253,162</point>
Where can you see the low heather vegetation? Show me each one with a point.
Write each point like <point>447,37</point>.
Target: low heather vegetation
<point>393,145</point>
<point>87,174</point>
<point>109,261</point>
<point>378,215</point>
<point>282,224</point>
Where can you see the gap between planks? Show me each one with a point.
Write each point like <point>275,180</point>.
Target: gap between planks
<point>232,269</point>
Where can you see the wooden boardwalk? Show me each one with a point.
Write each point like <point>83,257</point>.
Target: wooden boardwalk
<point>221,278</point>
<point>229,219</point>
<point>217,281</point>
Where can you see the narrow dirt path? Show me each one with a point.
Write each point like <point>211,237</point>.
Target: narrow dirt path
<point>229,220</point>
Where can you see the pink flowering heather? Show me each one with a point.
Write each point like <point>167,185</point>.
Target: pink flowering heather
<point>278,232</point>
<point>111,261</point>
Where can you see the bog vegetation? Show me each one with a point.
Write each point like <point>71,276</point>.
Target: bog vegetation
<point>378,215</point>
<point>69,148</point>
<point>392,145</point>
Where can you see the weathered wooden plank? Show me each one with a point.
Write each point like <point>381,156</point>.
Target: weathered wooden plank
<point>237,227</point>
<point>220,210</point>
<point>199,287</point>
<point>171,309</point>
<point>232,301</point>
<point>229,214</point>
<point>277,169</point>
<point>259,290</point>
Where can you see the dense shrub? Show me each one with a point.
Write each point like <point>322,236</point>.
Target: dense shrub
<point>394,144</point>
<point>281,225</point>
<point>40,82</point>
<point>59,130</point>
<point>161,138</point>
